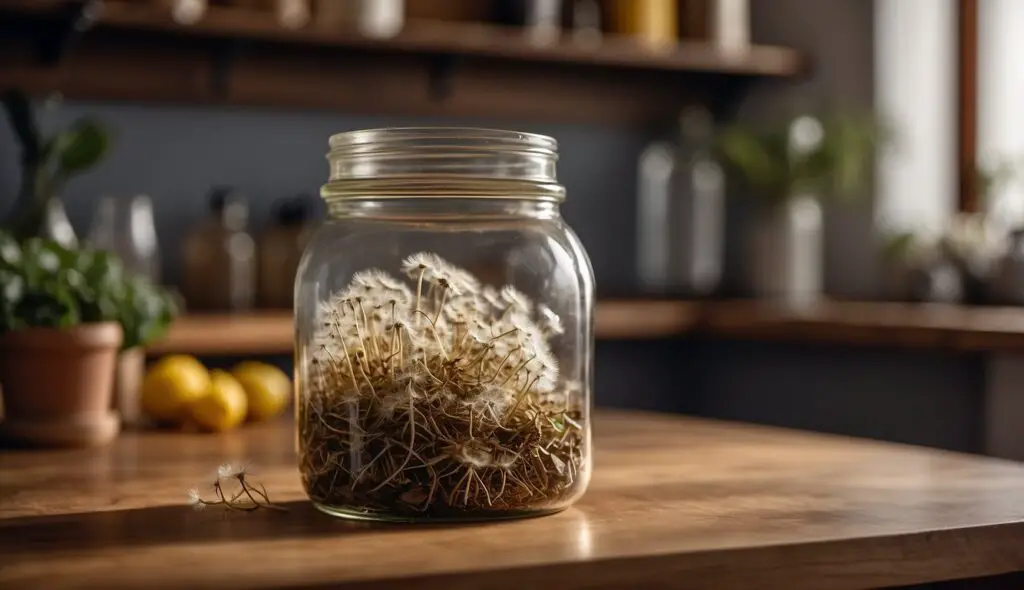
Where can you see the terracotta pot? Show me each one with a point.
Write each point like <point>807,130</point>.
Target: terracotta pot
<point>58,385</point>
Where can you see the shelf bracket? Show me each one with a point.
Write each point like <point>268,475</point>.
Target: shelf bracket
<point>58,36</point>
<point>441,77</point>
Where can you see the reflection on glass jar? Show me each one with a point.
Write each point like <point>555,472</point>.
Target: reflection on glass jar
<point>444,331</point>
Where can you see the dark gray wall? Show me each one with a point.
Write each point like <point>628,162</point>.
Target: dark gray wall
<point>176,153</point>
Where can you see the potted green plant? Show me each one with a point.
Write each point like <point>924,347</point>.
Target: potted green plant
<point>47,163</point>
<point>978,257</point>
<point>64,316</point>
<point>792,165</point>
<point>996,272</point>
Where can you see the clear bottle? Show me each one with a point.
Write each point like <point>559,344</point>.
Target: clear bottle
<point>220,257</point>
<point>681,212</point>
<point>127,228</point>
<point>444,331</point>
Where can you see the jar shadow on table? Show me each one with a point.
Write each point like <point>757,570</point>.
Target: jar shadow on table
<point>168,525</point>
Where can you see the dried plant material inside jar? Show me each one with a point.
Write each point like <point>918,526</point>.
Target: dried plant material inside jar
<point>444,331</point>
<point>438,396</point>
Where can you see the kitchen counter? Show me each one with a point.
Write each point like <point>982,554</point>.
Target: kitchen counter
<point>674,503</point>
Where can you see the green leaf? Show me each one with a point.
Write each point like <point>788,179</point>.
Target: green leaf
<point>23,122</point>
<point>756,156</point>
<point>146,312</point>
<point>12,287</point>
<point>41,260</point>
<point>82,146</point>
<point>53,308</point>
<point>46,285</point>
<point>101,268</point>
<point>10,252</point>
<point>841,165</point>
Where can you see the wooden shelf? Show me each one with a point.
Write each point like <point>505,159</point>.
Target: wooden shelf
<point>856,323</point>
<point>953,327</point>
<point>273,333</point>
<point>431,67</point>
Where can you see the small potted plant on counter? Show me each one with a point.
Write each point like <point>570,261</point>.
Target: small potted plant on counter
<point>792,166</point>
<point>65,314</point>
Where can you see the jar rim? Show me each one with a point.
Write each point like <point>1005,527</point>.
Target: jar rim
<point>449,137</point>
<point>432,162</point>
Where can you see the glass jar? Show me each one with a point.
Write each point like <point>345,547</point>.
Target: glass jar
<point>444,331</point>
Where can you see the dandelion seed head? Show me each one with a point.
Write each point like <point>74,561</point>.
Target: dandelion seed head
<point>194,498</point>
<point>449,285</point>
<point>391,283</point>
<point>544,384</point>
<point>398,298</point>
<point>456,315</point>
<point>463,280</point>
<point>227,470</point>
<point>549,321</point>
<point>421,262</point>
<point>515,299</point>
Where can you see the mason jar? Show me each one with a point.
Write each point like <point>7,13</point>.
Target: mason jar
<point>444,331</point>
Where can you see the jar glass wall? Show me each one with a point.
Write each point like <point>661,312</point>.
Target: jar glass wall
<point>444,331</point>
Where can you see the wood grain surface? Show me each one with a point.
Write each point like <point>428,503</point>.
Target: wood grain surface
<point>838,322</point>
<point>674,503</point>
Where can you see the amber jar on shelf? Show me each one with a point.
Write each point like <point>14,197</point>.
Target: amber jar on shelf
<point>220,257</point>
<point>280,248</point>
<point>444,331</point>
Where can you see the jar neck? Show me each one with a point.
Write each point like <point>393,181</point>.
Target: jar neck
<point>441,163</point>
<point>443,209</point>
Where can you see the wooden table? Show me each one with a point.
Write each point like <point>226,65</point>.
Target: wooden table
<point>674,503</point>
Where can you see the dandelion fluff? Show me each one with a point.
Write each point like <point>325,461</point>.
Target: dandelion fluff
<point>432,390</point>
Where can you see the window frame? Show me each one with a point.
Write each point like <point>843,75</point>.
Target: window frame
<point>967,106</point>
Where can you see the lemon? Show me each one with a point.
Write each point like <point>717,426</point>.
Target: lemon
<point>171,386</point>
<point>267,388</point>
<point>224,405</point>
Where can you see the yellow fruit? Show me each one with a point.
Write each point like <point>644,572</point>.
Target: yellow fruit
<point>171,385</point>
<point>267,388</point>
<point>224,405</point>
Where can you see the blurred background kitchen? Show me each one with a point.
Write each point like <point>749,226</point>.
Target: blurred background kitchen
<point>800,213</point>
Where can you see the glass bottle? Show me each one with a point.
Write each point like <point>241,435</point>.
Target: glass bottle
<point>220,257</point>
<point>444,331</point>
<point>681,212</point>
<point>127,228</point>
<point>280,249</point>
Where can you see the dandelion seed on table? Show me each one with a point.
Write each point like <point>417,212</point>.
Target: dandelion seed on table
<point>437,396</point>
